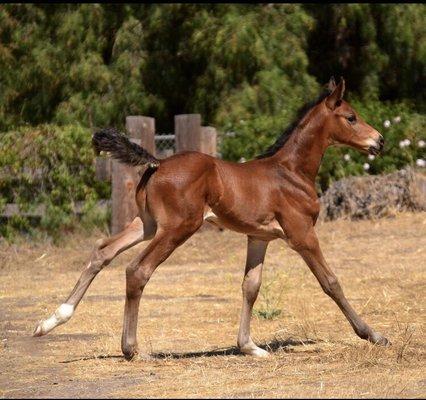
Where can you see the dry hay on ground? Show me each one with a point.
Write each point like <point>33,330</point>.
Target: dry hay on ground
<point>370,197</point>
<point>190,313</point>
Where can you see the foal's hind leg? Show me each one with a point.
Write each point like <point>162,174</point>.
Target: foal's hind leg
<point>104,252</point>
<point>138,274</point>
<point>256,250</point>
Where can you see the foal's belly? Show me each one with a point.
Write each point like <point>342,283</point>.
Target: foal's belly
<point>267,230</point>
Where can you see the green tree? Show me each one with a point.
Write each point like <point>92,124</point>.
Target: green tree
<point>256,74</point>
<point>401,36</point>
<point>379,48</point>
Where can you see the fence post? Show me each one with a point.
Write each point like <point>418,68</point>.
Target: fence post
<point>143,129</point>
<point>209,140</point>
<point>125,178</point>
<point>188,132</point>
<point>103,168</point>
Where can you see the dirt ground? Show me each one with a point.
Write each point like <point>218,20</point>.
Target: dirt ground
<point>190,314</point>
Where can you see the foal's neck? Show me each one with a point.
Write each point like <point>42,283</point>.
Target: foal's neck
<point>304,150</point>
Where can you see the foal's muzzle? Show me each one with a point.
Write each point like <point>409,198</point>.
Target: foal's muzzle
<point>378,147</point>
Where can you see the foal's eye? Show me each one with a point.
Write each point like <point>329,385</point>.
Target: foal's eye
<point>351,119</point>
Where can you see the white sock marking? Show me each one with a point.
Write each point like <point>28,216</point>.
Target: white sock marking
<point>62,314</point>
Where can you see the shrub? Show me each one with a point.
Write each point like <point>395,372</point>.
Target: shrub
<point>52,167</point>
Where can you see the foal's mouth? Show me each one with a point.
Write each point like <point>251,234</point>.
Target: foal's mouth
<point>374,150</point>
<point>377,148</point>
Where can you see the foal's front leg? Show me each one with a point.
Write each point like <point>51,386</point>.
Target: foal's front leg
<point>310,250</point>
<point>256,250</point>
<point>104,252</point>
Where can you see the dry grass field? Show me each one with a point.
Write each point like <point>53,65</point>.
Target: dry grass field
<point>190,313</point>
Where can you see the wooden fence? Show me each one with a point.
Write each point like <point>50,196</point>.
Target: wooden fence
<point>188,135</point>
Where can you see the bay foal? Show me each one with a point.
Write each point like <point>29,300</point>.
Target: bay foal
<point>271,197</point>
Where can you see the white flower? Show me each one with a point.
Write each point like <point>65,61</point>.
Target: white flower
<point>397,119</point>
<point>420,162</point>
<point>371,157</point>
<point>347,157</point>
<point>242,159</point>
<point>387,124</point>
<point>230,134</point>
<point>404,143</point>
<point>366,166</point>
<point>421,143</point>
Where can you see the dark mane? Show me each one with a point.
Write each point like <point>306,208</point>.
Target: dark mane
<point>272,149</point>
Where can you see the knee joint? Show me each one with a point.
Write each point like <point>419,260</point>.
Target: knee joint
<point>100,257</point>
<point>251,282</point>
<point>137,276</point>
<point>95,265</point>
<point>332,287</point>
<point>251,286</point>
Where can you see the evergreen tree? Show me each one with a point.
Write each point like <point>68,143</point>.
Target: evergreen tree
<point>244,67</point>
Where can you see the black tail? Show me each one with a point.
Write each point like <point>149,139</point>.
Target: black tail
<point>121,148</point>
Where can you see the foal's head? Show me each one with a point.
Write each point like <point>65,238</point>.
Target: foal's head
<point>344,126</point>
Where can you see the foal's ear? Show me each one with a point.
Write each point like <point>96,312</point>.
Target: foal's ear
<point>335,98</point>
<point>331,85</point>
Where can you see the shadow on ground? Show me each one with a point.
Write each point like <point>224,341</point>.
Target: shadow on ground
<point>272,346</point>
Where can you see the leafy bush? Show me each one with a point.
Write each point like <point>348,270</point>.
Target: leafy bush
<point>51,166</point>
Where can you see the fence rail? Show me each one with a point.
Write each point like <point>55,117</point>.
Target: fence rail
<point>165,136</point>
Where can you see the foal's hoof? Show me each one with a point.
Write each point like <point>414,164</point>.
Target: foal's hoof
<point>254,351</point>
<point>384,342</point>
<point>38,331</point>
<point>380,340</point>
<point>130,352</point>
<point>129,356</point>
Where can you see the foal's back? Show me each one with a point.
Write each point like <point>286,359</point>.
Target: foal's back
<point>188,184</point>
